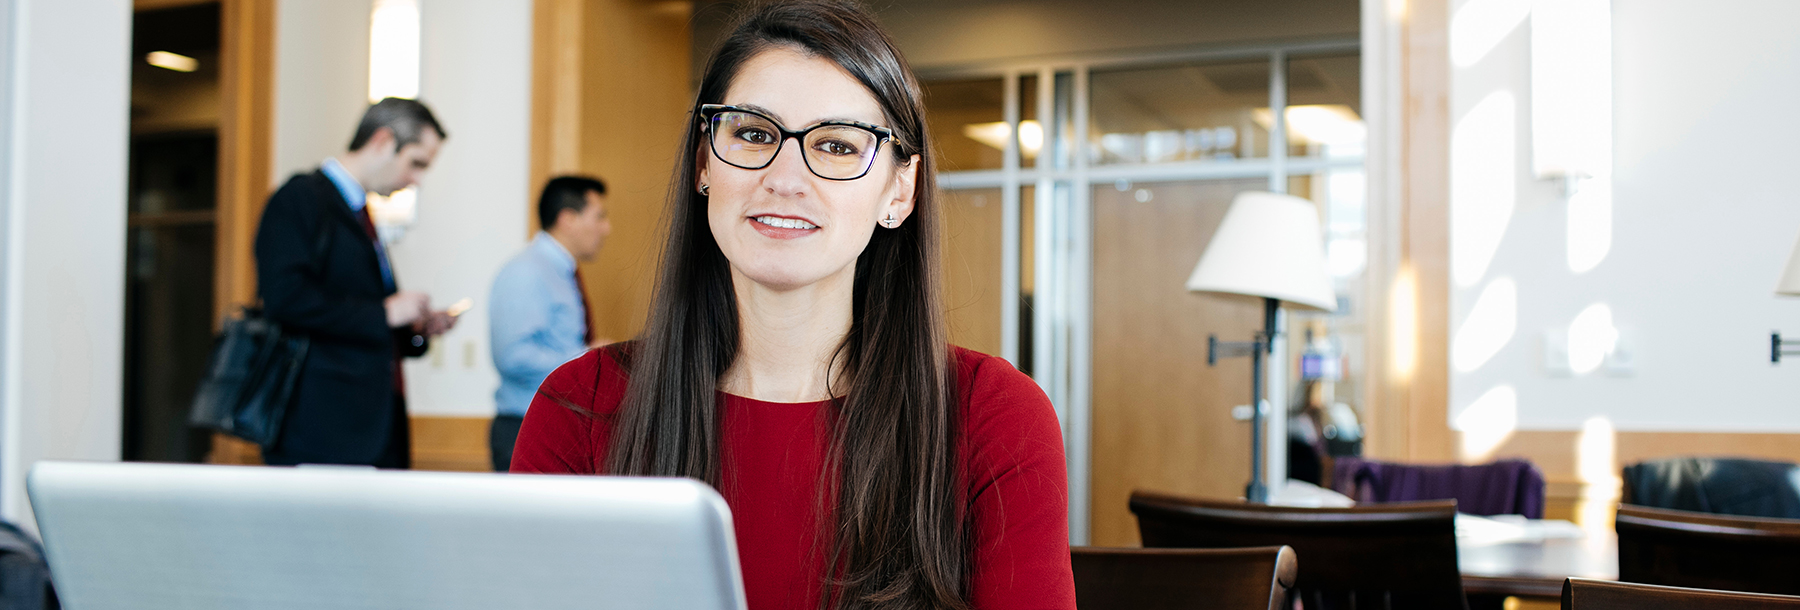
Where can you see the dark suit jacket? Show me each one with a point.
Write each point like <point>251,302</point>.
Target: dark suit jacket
<point>345,403</point>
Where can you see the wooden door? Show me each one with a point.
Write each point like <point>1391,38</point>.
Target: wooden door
<point>1161,416</point>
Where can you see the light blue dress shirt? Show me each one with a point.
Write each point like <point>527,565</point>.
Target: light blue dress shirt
<point>358,199</point>
<point>535,321</point>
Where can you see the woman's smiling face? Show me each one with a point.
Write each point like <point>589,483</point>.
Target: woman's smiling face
<point>782,226</point>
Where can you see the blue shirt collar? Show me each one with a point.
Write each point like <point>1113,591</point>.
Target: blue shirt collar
<point>346,184</point>
<point>554,252</point>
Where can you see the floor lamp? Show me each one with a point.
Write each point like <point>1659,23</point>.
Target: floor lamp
<point>1268,246</point>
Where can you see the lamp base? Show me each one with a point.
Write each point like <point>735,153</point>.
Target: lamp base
<point>1256,493</point>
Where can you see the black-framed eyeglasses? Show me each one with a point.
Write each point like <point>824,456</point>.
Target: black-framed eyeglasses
<point>834,150</point>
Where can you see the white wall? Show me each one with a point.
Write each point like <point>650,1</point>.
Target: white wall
<point>321,80</point>
<point>1703,218</point>
<point>66,99</point>
<point>473,206</point>
<point>475,65</point>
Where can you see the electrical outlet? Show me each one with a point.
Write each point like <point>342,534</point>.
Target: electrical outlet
<point>469,354</point>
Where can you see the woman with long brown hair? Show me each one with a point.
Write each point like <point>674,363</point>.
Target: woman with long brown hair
<point>796,357</point>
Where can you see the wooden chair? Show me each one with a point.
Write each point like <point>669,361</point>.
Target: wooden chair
<point>1392,556</point>
<point>1158,579</point>
<point>1584,594</point>
<point>1678,548</point>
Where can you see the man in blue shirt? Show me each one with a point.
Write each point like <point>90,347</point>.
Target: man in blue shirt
<point>538,313</point>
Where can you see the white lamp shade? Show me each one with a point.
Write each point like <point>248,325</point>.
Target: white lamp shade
<point>1790,275</point>
<point>1270,246</point>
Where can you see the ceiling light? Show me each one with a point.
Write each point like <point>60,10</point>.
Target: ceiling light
<point>1328,124</point>
<point>172,61</point>
<point>1031,136</point>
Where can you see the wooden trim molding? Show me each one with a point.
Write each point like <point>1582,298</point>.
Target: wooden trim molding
<point>457,444</point>
<point>1408,376</point>
<point>153,5</point>
<point>556,94</point>
<point>246,111</point>
<point>247,93</point>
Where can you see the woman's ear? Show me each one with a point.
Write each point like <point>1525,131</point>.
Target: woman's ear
<point>906,183</point>
<point>701,158</point>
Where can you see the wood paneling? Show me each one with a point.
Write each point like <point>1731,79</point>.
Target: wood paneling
<point>151,5</point>
<point>246,114</point>
<point>451,443</point>
<point>1407,386</point>
<point>556,47</point>
<point>247,94</point>
<point>1161,416</point>
<point>610,98</point>
<point>972,222</point>
<point>438,443</point>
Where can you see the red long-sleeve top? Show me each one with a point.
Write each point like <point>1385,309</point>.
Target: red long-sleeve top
<point>1013,476</point>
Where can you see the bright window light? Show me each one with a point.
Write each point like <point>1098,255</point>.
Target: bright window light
<point>1571,89</point>
<point>1482,179</point>
<point>1592,337</point>
<point>1590,223</point>
<point>172,61</point>
<point>1333,125</point>
<point>1491,323</point>
<point>1486,423</point>
<point>394,49</point>
<point>1480,25</point>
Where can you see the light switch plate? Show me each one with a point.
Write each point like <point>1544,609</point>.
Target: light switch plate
<point>1556,353</point>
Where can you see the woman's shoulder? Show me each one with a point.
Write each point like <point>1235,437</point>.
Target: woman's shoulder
<point>594,381</point>
<point>999,398</point>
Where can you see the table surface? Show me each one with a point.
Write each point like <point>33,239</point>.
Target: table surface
<point>1535,568</point>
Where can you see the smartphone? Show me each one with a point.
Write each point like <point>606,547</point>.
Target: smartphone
<point>459,307</point>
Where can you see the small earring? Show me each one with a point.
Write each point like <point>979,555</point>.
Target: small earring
<point>703,192</point>
<point>889,223</point>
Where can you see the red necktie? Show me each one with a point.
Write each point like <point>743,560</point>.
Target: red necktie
<point>368,226</point>
<point>587,316</point>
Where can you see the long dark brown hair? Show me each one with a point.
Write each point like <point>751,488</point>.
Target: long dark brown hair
<point>898,536</point>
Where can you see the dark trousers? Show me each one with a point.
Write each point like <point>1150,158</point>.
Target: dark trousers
<point>501,435</point>
<point>396,454</point>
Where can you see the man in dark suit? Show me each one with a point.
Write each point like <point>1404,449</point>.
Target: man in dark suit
<point>322,271</point>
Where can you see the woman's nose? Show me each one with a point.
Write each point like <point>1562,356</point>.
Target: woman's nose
<point>788,176</point>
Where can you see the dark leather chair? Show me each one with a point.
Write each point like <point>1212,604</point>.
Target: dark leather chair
<point>1170,579</point>
<point>1394,556</point>
<point>1584,594</point>
<point>1680,548</point>
<point>1726,486</point>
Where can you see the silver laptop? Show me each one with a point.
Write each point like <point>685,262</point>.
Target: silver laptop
<point>155,536</point>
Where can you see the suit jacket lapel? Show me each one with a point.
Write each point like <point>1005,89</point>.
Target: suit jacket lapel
<point>339,209</point>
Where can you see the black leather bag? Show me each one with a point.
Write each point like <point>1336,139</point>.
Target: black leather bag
<point>253,370</point>
<point>250,379</point>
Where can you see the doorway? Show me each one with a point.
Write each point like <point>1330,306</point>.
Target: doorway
<point>172,202</point>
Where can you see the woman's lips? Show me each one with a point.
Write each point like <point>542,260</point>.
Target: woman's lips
<point>775,232</point>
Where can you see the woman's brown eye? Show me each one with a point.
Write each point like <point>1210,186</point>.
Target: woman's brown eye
<point>836,147</point>
<point>755,136</point>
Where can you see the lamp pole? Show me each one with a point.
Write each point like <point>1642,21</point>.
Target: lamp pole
<point>1257,492</point>
<point>1262,347</point>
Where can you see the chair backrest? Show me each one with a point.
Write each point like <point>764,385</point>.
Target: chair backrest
<point>1585,594</point>
<point>1393,556</point>
<point>1725,486</point>
<point>1157,579</point>
<point>1680,548</point>
<point>1511,486</point>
